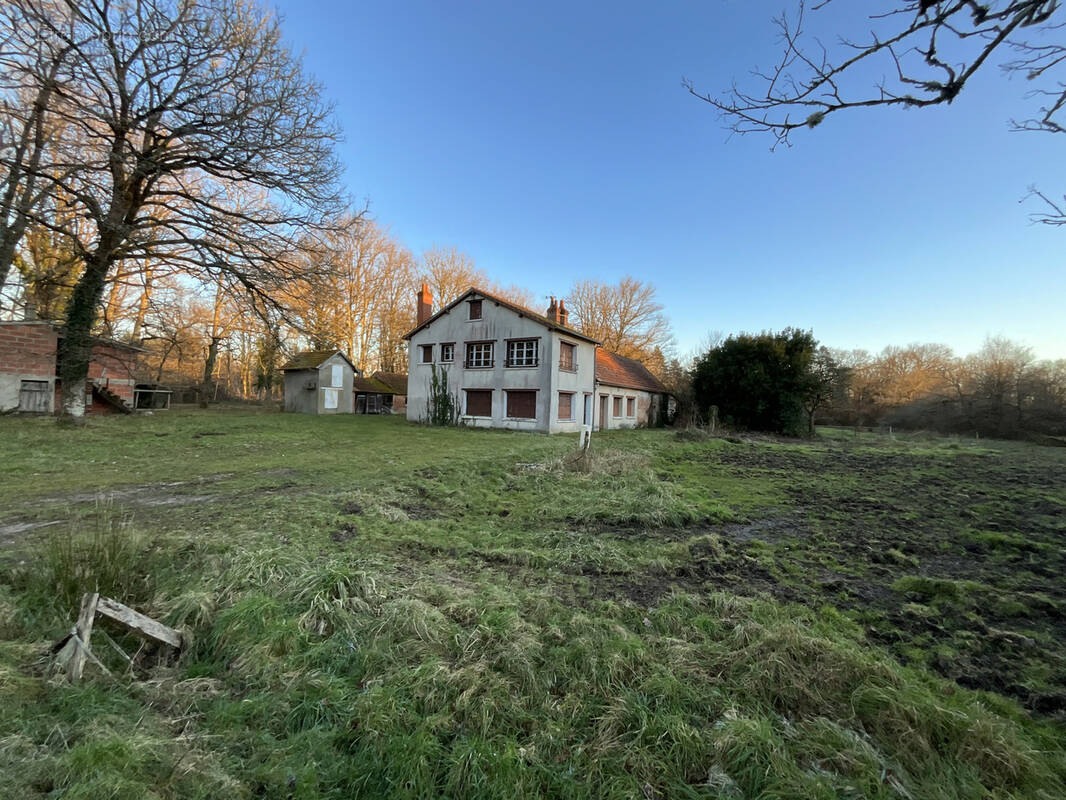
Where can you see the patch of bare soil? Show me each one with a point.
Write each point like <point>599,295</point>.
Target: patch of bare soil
<point>345,532</point>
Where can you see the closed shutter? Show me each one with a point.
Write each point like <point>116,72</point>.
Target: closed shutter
<point>522,405</point>
<point>479,402</point>
<point>33,396</point>
<point>566,405</point>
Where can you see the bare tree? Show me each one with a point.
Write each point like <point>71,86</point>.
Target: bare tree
<point>196,137</point>
<point>31,72</point>
<point>625,317</point>
<point>917,54</point>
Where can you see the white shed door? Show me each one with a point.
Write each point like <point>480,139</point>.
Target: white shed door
<point>331,397</point>
<point>337,378</point>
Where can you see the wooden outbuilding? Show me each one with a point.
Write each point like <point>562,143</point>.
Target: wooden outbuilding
<point>320,382</point>
<point>381,393</point>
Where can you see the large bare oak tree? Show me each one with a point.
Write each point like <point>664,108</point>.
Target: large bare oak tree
<point>190,134</point>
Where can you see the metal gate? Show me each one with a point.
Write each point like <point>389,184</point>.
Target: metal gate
<point>33,397</point>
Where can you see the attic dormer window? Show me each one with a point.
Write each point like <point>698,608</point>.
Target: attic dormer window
<point>475,309</point>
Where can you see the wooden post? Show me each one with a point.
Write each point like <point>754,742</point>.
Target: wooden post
<point>75,651</point>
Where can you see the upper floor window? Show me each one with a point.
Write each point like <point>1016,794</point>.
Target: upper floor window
<point>567,352</point>
<point>475,309</point>
<point>447,352</point>
<point>427,354</point>
<point>522,353</point>
<point>478,355</point>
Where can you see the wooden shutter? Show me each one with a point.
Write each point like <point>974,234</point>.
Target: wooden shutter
<point>475,309</point>
<point>522,405</point>
<point>33,396</point>
<point>566,405</point>
<point>479,402</point>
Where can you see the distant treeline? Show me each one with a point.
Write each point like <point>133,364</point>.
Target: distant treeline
<point>786,382</point>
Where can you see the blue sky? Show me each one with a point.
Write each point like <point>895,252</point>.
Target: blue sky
<point>554,141</point>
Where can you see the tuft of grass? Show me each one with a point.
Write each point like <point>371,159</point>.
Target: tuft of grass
<point>103,552</point>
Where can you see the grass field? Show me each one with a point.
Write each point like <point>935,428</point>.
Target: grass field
<point>380,610</point>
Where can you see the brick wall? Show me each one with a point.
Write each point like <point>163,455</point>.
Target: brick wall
<point>28,348</point>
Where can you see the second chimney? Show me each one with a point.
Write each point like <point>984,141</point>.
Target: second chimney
<point>563,314</point>
<point>425,304</point>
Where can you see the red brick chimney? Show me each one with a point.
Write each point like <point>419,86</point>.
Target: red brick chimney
<point>564,315</point>
<point>425,304</point>
<point>553,311</point>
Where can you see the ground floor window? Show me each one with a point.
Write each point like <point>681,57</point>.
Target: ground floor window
<point>566,405</point>
<point>631,407</point>
<point>479,402</point>
<point>33,396</point>
<point>522,404</point>
<point>617,407</point>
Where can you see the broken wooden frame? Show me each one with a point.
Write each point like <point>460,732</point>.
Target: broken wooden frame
<point>74,649</point>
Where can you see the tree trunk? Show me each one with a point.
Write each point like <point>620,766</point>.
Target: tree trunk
<point>207,388</point>
<point>75,345</point>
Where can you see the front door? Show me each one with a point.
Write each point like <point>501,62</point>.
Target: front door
<point>603,412</point>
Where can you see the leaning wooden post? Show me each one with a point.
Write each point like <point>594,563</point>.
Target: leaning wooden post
<point>75,651</point>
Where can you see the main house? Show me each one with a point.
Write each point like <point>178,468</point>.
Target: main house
<point>514,368</point>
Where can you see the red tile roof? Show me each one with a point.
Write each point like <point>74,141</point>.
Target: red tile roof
<point>626,373</point>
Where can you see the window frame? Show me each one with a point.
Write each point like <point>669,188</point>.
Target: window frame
<point>534,340</point>
<point>572,366</point>
<point>444,360</point>
<point>507,403</point>
<point>491,344</point>
<point>424,348</point>
<point>616,406</point>
<point>631,406</point>
<point>477,303</point>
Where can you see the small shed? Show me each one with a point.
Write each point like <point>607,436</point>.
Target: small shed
<point>320,382</point>
<point>381,393</point>
<point>29,353</point>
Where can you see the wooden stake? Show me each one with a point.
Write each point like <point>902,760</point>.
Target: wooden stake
<point>75,651</point>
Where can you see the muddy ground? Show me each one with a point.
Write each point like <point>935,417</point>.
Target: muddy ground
<point>952,560</point>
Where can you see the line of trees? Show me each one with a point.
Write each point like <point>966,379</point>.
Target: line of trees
<point>784,382</point>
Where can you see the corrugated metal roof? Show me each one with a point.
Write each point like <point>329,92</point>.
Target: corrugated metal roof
<point>626,373</point>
